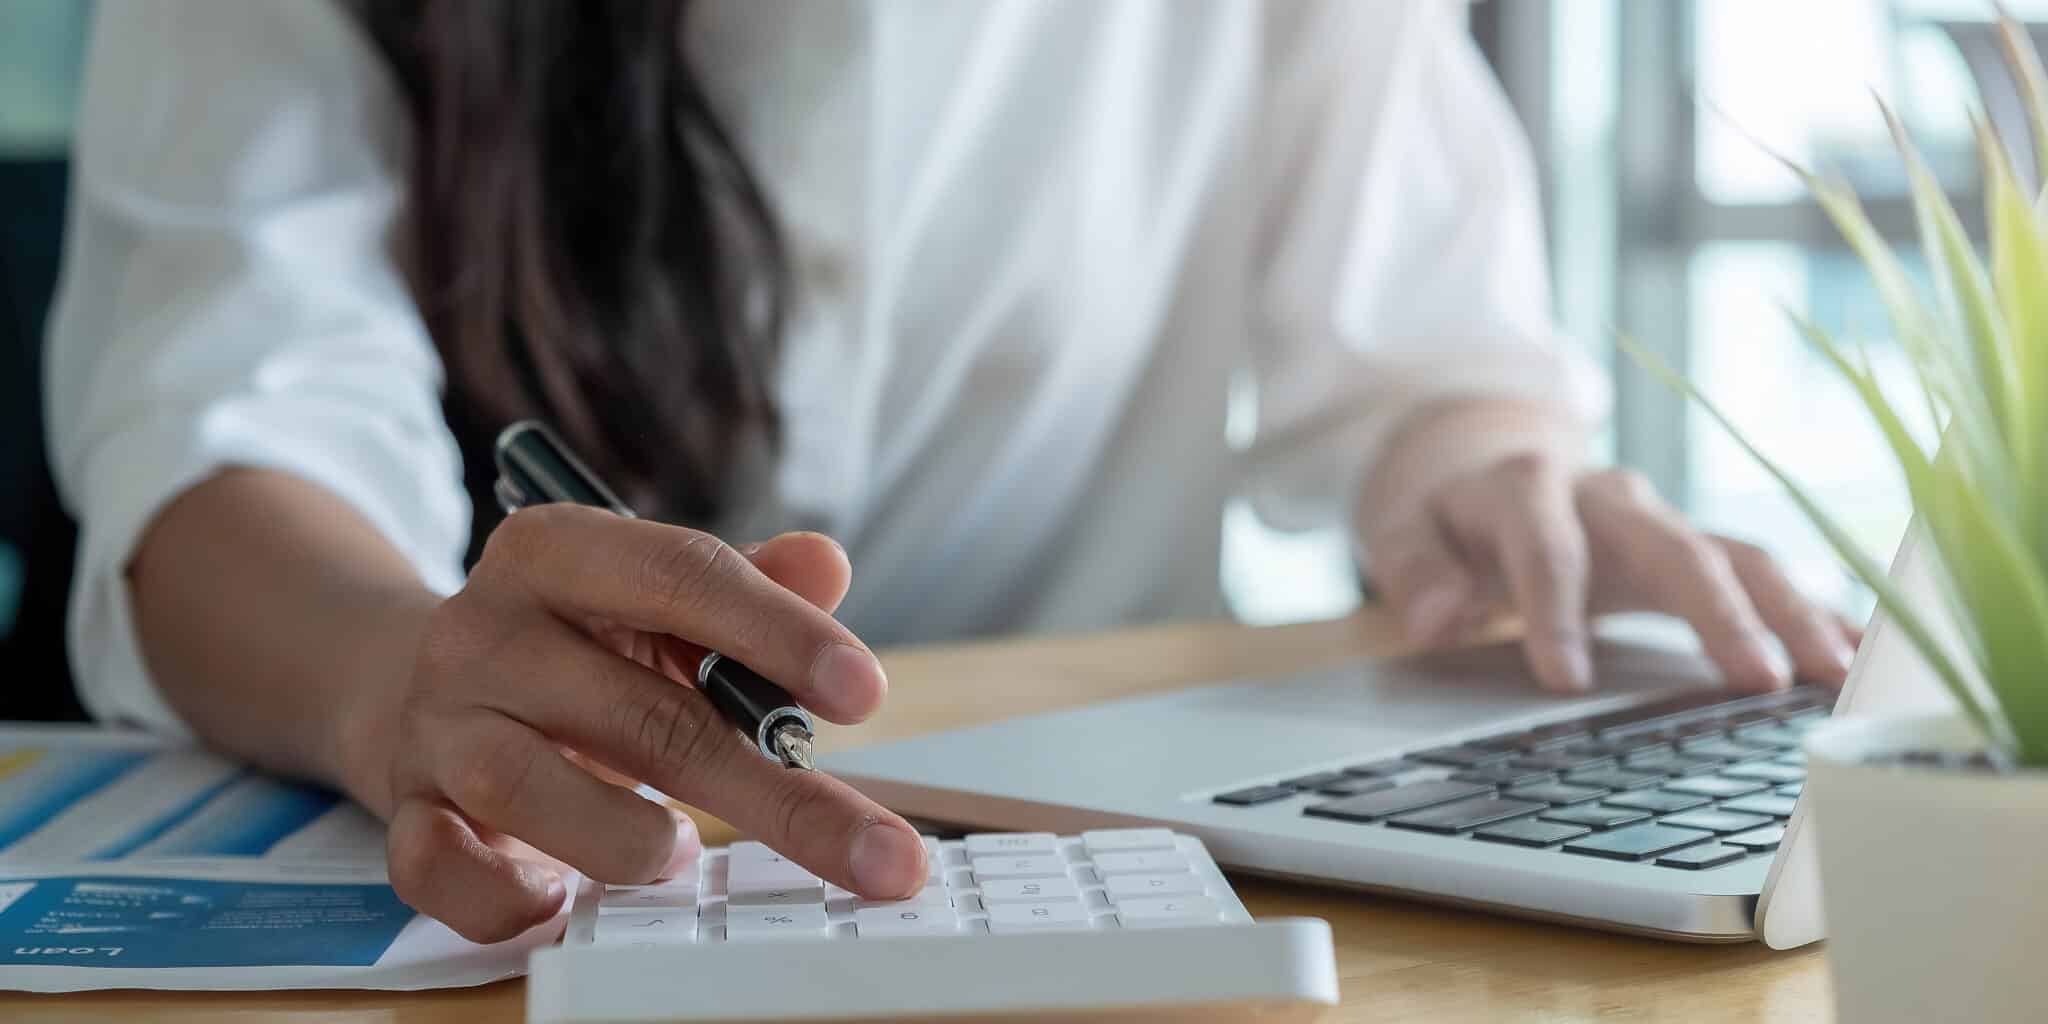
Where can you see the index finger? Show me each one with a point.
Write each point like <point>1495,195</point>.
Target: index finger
<point>1539,546</point>
<point>692,586</point>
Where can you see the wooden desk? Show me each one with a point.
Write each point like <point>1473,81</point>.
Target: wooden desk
<point>1399,961</point>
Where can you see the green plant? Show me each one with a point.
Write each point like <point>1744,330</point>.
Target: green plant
<point>1979,354</point>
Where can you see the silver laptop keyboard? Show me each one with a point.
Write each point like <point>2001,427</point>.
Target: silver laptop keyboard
<point>1693,782</point>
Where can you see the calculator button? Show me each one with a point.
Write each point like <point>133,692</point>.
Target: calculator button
<point>1037,866</point>
<point>775,924</point>
<point>1139,863</point>
<point>661,927</point>
<point>1029,890</point>
<point>1167,913</point>
<point>647,897</point>
<point>1125,887</point>
<point>882,922</point>
<point>1026,917</point>
<point>930,896</point>
<point>755,868</point>
<point>986,844</point>
<point>1124,840</point>
<point>800,895</point>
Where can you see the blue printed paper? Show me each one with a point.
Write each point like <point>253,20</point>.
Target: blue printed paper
<point>105,921</point>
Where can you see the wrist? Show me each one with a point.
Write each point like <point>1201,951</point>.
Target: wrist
<point>360,744</point>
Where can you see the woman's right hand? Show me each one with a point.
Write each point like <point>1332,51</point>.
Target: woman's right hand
<point>478,759</point>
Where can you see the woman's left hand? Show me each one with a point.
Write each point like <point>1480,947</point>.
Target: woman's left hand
<point>1557,542</point>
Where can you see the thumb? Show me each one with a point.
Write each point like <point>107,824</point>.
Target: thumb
<point>1428,584</point>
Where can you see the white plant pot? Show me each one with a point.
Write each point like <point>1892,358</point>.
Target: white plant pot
<point>1934,881</point>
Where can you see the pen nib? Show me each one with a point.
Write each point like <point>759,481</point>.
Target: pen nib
<point>793,745</point>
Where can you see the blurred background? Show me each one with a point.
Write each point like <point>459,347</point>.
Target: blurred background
<point>1665,222</point>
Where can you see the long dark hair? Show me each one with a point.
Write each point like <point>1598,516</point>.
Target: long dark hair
<point>584,240</point>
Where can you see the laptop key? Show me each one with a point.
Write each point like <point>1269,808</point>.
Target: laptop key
<point>1355,785</point>
<point>1719,787</point>
<point>1465,815</point>
<point>1766,838</point>
<point>1559,761</point>
<point>1556,793</point>
<point>1391,767</point>
<point>1791,790</point>
<point>1615,778</point>
<point>1460,756</point>
<point>1773,804</point>
<point>1696,858</point>
<point>1595,816</point>
<point>1399,800</point>
<point>1530,832</point>
<point>1777,736</point>
<point>1252,796</point>
<point>1722,821</point>
<point>1720,748</point>
<point>1503,775</point>
<point>1766,771</point>
<point>1637,842</point>
<point>1657,801</point>
<point>1668,761</point>
<point>1315,781</point>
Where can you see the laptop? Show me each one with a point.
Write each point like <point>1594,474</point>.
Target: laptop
<point>1661,804</point>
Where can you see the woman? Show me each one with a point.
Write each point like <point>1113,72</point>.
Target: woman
<point>963,286</point>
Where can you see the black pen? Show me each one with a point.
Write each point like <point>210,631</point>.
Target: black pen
<point>536,468</point>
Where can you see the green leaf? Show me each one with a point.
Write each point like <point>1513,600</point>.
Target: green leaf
<point>1903,613</point>
<point>1966,290</point>
<point>2025,63</point>
<point>2001,585</point>
<point>2019,276</point>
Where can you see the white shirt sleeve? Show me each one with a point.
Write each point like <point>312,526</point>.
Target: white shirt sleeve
<point>229,298</point>
<point>1401,256</point>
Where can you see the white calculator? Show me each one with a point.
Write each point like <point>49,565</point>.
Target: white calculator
<point>1130,923</point>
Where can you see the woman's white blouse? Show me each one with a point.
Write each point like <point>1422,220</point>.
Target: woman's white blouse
<point>1038,243</point>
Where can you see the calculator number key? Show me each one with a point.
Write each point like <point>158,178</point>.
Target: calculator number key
<point>886,922</point>
<point>1171,912</point>
<point>1029,890</point>
<point>1033,866</point>
<point>1027,917</point>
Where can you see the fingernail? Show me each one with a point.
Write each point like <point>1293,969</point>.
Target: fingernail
<point>1434,610</point>
<point>750,550</point>
<point>688,846</point>
<point>845,669</point>
<point>887,861</point>
<point>1842,654</point>
<point>1777,668</point>
<point>1578,666</point>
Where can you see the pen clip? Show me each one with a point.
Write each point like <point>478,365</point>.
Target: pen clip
<point>536,468</point>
